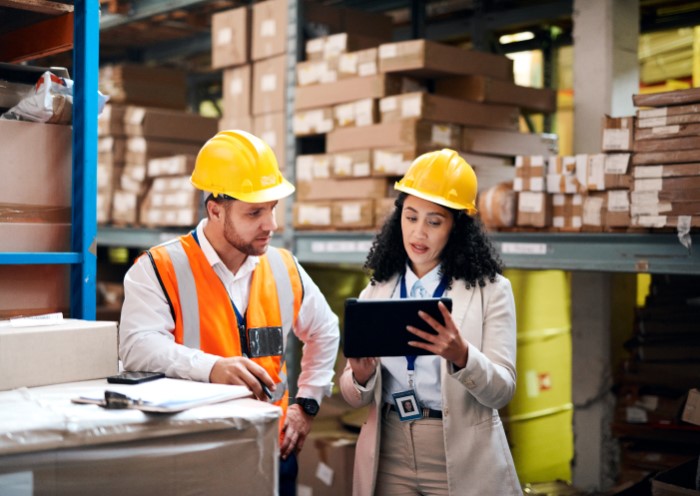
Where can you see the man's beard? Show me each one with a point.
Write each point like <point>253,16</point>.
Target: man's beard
<point>239,244</point>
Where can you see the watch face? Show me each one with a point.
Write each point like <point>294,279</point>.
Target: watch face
<point>310,406</point>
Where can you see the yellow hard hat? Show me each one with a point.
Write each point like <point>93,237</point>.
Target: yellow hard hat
<point>442,177</point>
<point>242,166</point>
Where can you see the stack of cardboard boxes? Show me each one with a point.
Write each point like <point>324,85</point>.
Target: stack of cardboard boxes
<point>131,135</point>
<point>666,191</point>
<point>646,177</point>
<point>372,105</point>
<point>585,192</point>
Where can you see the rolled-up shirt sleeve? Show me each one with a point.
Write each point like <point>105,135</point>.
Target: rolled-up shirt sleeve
<point>317,328</point>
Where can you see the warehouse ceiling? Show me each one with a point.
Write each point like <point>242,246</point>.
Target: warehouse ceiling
<point>178,31</point>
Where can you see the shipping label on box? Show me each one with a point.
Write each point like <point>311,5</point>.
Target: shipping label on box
<point>310,167</point>
<point>359,63</point>
<point>593,208</point>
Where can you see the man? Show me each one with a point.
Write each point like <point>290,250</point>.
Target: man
<point>217,304</point>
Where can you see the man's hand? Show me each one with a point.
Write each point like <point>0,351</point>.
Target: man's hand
<point>363,369</point>
<point>296,427</point>
<point>242,371</point>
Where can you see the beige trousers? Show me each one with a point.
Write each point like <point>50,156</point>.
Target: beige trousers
<point>411,458</point>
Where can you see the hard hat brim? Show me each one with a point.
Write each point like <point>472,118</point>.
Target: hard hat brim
<point>470,209</point>
<point>282,190</point>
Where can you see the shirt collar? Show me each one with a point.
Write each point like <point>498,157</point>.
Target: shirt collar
<point>429,281</point>
<point>214,259</point>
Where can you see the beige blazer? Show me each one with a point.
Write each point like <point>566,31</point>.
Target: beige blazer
<point>478,457</point>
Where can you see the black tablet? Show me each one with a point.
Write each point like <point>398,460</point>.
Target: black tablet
<point>375,328</point>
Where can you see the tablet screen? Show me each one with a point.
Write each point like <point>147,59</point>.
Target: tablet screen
<point>375,328</point>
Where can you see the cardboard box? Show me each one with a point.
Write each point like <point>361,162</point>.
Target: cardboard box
<point>618,133</point>
<point>560,183</point>
<point>230,32</point>
<point>310,167</point>
<point>37,235</point>
<point>497,205</point>
<point>74,449</point>
<point>671,120</point>
<point>423,58</point>
<point>140,150</point>
<point>661,132</point>
<point>111,121</point>
<point>352,214</point>
<point>487,90</point>
<point>125,207</point>
<point>678,97</point>
<point>237,92</point>
<point>314,121</point>
<point>137,84</point>
<point>38,155</point>
<point>671,208</point>
<point>171,202</point>
<point>594,210</point>
<point>659,221</point>
<point>617,204</point>
<point>670,144</point>
<point>45,289</point>
<point>534,209</point>
<point>659,171</point>
<point>358,64</point>
<point>359,113</point>
<point>317,72</point>
<point>508,143</point>
<point>243,123</point>
<point>326,464</point>
<point>529,173</point>
<point>666,111</point>
<point>169,125</point>
<point>170,166</point>
<point>356,163</point>
<point>272,129</point>
<point>567,211</point>
<point>269,80</point>
<point>442,109</point>
<point>407,133</point>
<point>269,36</point>
<point>334,45</point>
<point>111,150</point>
<point>346,90</point>
<point>342,189</point>
<point>312,215</point>
<point>74,350</point>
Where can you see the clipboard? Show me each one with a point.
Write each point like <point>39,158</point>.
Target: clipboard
<point>375,328</point>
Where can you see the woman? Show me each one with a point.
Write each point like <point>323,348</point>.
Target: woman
<point>431,246</point>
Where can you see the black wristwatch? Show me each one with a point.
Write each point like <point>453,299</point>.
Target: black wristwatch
<point>309,405</point>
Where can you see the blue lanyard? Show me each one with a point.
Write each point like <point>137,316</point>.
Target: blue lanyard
<point>439,291</point>
<point>240,319</point>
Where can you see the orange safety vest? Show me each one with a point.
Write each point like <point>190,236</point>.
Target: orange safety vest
<point>203,312</point>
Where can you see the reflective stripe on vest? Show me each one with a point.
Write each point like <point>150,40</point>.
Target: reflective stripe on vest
<point>187,293</point>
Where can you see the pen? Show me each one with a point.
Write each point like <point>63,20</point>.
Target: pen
<point>265,389</point>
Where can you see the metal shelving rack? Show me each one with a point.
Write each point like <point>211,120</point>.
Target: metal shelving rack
<point>82,257</point>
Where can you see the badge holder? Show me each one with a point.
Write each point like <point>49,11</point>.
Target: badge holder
<point>406,405</point>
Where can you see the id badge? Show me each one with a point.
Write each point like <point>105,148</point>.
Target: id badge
<point>407,405</point>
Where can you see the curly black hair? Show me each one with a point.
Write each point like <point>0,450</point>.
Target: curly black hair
<point>468,254</point>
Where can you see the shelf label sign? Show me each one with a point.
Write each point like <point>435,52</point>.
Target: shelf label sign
<point>348,246</point>
<point>524,248</point>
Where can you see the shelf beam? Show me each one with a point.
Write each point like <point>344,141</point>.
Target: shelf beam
<point>41,39</point>
<point>39,258</point>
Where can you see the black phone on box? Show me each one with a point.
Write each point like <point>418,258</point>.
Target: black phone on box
<point>134,377</point>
